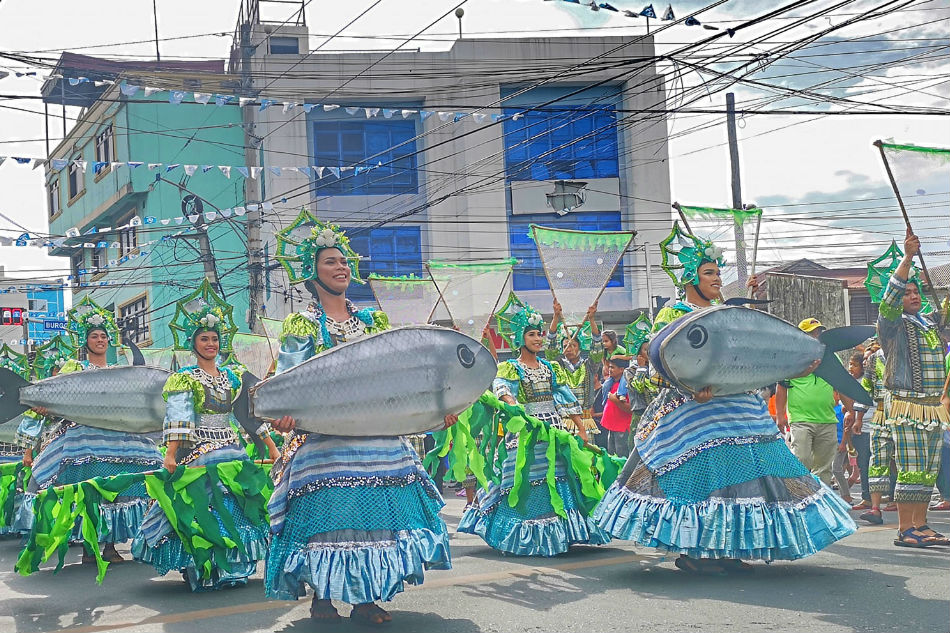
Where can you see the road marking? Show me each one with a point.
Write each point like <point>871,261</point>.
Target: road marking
<point>252,607</point>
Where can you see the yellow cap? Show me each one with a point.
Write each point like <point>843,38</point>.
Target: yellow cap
<point>810,324</point>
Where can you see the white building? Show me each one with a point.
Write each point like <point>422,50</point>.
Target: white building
<point>463,190</point>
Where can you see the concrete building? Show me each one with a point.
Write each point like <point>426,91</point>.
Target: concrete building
<point>142,284</point>
<point>47,316</point>
<point>14,310</point>
<point>451,188</point>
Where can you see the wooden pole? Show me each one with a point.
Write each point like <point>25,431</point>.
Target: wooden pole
<point>920,256</point>
<point>755,246</point>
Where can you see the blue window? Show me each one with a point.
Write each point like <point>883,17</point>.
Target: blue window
<point>390,251</point>
<point>528,273</point>
<point>574,144</point>
<point>364,144</point>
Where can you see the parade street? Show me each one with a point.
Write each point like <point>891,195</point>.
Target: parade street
<point>860,584</point>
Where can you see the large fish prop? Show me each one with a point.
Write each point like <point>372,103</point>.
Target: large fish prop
<point>126,398</point>
<point>735,350</point>
<point>398,382</point>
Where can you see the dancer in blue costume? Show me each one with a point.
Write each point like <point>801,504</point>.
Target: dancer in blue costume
<point>355,518</point>
<point>533,528</point>
<point>198,431</point>
<point>75,453</point>
<point>710,478</point>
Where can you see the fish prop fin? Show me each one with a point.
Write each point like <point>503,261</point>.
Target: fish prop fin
<point>10,384</point>
<point>833,372</point>
<point>137,357</point>
<point>243,415</point>
<point>840,338</point>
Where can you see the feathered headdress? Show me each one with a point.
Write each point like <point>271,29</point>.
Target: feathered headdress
<point>86,316</point>
<point>299,243</point>
<point>583,336</point>
<point>880,271</point>
<point>202,310</point>
<point>683,253</point>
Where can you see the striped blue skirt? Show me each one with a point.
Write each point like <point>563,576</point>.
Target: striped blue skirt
<point>354,518</point>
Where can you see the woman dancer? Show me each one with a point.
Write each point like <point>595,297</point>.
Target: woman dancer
<point>197,432</point>
<point>355,518</point>
<point>75,453</point>
<point>535,530</point>
<point>711,479</point>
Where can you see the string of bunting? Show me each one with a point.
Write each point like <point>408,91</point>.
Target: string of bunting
<point>646,12</point>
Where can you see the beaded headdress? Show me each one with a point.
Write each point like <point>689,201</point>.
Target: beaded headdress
<point>52,355</point>
<point>525,319</point>
<point>683,253</point>
<point>14,361</point>
<point>880,271</point>
<point>202,310</point>
<point>86,316</point>
<point>637,333</point>
<point>299,243</point>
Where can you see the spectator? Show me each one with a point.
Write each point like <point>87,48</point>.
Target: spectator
<point>637,387</point>
<point>806,405</point>
<point>860,439</point>
<point>841,456</point>
<point>617,416</point>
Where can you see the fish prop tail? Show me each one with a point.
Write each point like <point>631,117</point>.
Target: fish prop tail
<point>832,371</point>
<point>10,384</point>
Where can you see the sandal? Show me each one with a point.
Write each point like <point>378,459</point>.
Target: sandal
<point>699,566</point>
<point>370,615</point>
<point>873,516</point>
<point>891,507</point>
<point>324,611</point>
<point>907,538</point>
<point>864,505</point>
<point>934,538</point>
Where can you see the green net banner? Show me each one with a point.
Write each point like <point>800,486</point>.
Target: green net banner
<point>405,300</point>
<point>470,292</point>
<point>714,213</point>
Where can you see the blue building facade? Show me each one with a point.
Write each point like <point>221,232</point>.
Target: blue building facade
<point>47,314</point>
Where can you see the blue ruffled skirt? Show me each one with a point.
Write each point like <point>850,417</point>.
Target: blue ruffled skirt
<point>743,496</point>
<point>157,544</point>
<point>80,453</point>
<point>353,518</point>
<point>534,529</point>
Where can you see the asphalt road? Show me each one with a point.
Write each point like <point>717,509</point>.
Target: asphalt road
<point>864,583</point>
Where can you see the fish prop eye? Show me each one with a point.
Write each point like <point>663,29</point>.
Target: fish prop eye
<point>697,336</point>
<point>465,356</point>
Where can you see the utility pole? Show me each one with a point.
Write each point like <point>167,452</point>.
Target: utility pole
<point>741,265</point>
<point>252,189</point>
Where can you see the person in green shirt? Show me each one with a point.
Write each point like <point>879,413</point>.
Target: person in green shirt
<point>806,406</point>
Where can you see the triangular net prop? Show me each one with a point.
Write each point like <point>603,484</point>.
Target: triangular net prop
<point>405,300</point>
<point>579,264</point>
<point>922,178</point>
<point>470,292</point>
<point>718,225</point>
<point>879,274</point>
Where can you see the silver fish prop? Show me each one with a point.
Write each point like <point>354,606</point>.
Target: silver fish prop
<point>736,350</point>
<point>398,382</point>
<point>127,398</point>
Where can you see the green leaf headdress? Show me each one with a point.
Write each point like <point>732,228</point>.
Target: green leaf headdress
<point>299,243</point>
<point>583,336</point>
<point>86,316</point>
<point>525,319</point>
<point>683,253</point>
<point>14,361</point>
<point>880,271</point>
<point>503,318</point>
<point>202,310</point>
<point>51,355</point>
<point>637,334</point>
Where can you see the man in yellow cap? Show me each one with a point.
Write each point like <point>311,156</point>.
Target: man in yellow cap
<point>806,406</point>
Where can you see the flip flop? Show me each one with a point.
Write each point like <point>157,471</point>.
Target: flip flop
<point>907,538</point>
<point>873,517</point>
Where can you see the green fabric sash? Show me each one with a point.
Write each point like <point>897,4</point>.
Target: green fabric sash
<point>183,497</point>
<point>589,472</point>
<point>9,476</point>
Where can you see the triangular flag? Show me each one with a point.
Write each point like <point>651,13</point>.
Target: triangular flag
<point>335,171</point>
<point>226,170</point>
<point>190,169</point>
<point>407,113</point>
<point>203,97</point>
<point>668,14</point>
<point>371,112</point>
<point>175,97</point>
<point>128,90</point>
<point>149,91</point>
<point>691,21</point>
<point>327,107</point>
<point>304,170</point>
<point>288,106</point>
<point>243,101</point>
<point>351,110</point>
<point>220,100</point>
<point>648,12</point>
<point>134,163</point>
<point>255,172</point>
<point>244,171</point>
<point>277,171</point>
<point>425,114</point>
<point>266,103</point>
